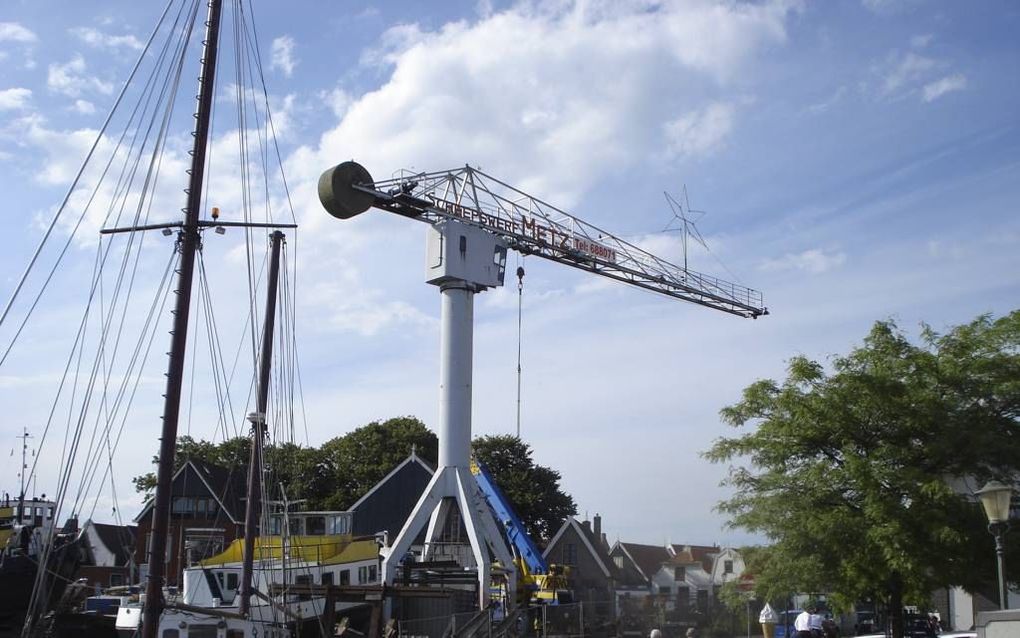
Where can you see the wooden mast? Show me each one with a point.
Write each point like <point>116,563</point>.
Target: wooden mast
<point>188,244</point>
<point>258,429</point>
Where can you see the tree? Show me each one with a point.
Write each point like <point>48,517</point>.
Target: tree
<point>358,460</point>
<point>851,472</point>
<point>230,453</point>
<point>533,490</point>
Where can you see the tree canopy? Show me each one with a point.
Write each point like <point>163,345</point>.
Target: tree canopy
<point>533,490</point>
<point>857,473</point>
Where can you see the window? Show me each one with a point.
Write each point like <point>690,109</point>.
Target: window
<point>316,525</point>
<point>183,505</point>
<point>297,527</point>
<point>362,575</point>
<point>327,578</point>
<point>201,631</point>
<point>618,561</point>
<point>679,573</point>
<point>116,580</point>
<point>200,544</point>
<point>171,633</point>
<point>232,580</point>
<point>570,554</point>
<point>728,567</point>
<point>235,633</point>
<point>49,513</point>
<point>372,573</point>
<point>38,511</point>
<point>339,524</point>
<point>304,579</point>
<point>345,577</point>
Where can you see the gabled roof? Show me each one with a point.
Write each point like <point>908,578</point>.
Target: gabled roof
<point>119,539</point>
<point>226,485</point>
<point>704,554</point>
<point>390,502</point>
<point>412,458</point>
<point>648,558</point>
<point>593,545</point>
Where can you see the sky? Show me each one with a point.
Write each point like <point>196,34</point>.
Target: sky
<point>855,160</point>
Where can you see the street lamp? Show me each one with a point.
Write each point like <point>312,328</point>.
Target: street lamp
<point>995,499</point>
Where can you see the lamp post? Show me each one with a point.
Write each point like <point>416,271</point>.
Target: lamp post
<point>995,499</point>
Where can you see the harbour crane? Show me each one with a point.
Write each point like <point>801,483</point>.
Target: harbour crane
<point>473,220</point>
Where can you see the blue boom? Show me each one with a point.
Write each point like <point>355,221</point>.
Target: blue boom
<point>515,530</point>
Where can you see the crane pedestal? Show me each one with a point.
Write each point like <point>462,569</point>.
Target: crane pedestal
<point>462,260</point>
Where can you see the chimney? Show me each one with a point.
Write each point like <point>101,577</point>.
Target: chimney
<point>605,541</point>
<point>598,525</point>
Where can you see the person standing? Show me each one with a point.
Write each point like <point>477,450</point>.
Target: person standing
<point>802,624</point>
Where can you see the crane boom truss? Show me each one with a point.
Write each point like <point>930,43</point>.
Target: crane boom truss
<point>534,227</point>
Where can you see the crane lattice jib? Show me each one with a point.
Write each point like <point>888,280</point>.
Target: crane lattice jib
<point>534,227</point>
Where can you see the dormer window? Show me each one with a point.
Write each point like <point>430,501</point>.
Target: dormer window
<point>679,573</point>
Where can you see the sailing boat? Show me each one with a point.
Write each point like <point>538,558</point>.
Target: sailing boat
<point>93,395</point>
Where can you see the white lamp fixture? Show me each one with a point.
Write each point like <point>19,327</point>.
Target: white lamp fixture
<point>995,498</point>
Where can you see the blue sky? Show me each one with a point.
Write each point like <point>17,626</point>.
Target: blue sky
<point>858,160</point>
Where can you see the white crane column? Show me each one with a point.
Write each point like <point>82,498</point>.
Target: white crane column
<point>455,352</point>
<point>462,260</point>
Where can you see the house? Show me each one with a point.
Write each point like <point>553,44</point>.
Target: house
<point>581,546</point>
<point>109,554</point>
<point>206,514</point>
<point>684,580</point>
<point>386,506</point>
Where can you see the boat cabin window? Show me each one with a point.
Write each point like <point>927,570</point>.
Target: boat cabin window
<point>345,577</point>
<point>297,526</point>
<point>327,578</point>
<point>171,633</point>
<point>235,633</point>
<point>315,525</point>
<point>201,631</point>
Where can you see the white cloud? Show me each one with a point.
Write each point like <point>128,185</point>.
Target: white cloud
<point>96,38</point>
<point>934,90</point>
<point>84,107</point>
<point>905,71</point>
<point>921,41</point>
<point>14,99</point>
<point>282,52</point>
<point>70,79</point>
<point>699,132</point>
<point>576,90</point>
<point>14,32</point>
<point>338,100</point>
<point>814,261</point>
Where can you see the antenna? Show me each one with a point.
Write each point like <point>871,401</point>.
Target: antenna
<point>684,221</point>
<point>24,436</point>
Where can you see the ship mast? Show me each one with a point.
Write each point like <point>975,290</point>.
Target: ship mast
<point>188,243</point>
<point>258,428</point>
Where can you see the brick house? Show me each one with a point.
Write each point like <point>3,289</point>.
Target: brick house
<point>206,514</point>
<point>582,547</point>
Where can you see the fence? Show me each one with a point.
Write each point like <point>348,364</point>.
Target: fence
<point>539,621</point>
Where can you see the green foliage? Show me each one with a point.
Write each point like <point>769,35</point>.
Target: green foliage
<point>533,490</point>
<point>359,459</point>
<point>847,471</point>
